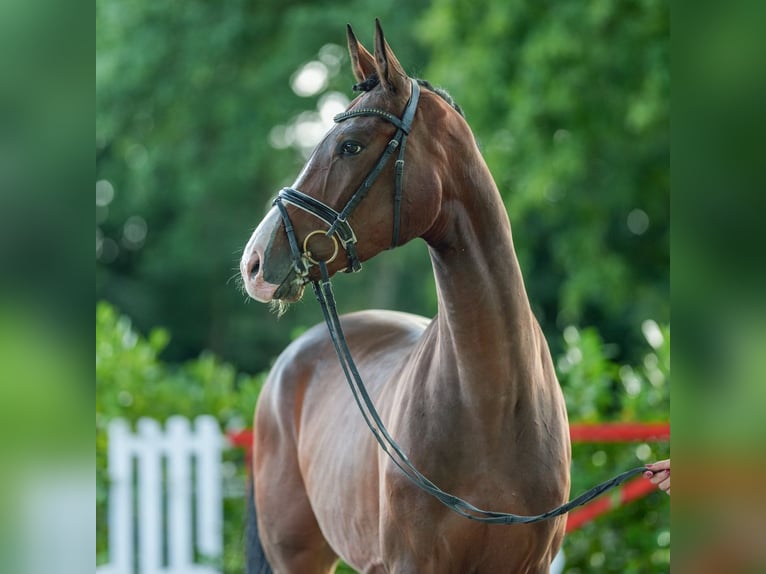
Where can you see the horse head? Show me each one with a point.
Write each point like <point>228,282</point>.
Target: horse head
<point>372,183</point>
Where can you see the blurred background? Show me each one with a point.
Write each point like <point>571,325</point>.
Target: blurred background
<point>204,110</point>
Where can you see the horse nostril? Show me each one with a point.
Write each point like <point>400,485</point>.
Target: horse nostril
<point>255,266</point>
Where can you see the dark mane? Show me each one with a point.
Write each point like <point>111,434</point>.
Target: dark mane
<point>373,81</point>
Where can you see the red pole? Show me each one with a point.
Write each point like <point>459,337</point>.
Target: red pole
<point>241,439</point>
<point>619,432</point>
<point>582,432</point>
<point>631,490</point>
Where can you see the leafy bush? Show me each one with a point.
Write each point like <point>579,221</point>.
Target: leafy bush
<point>132,381</point>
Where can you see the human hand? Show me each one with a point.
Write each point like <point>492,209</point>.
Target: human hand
<point>659,474</point>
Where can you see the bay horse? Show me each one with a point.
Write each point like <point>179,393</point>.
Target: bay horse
<point>471,396</point>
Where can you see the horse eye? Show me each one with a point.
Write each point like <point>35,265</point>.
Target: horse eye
<point>350,148</point>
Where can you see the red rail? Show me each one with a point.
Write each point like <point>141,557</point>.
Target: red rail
<point>579,432</point>
<point>619,432</point>
<point>582,432</point>
<point>631,490</point>
<point>241,439</point>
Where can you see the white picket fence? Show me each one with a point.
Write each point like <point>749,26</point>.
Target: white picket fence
<point>165,498</point>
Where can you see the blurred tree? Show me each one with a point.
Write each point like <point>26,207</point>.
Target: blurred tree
<point>187,100</point>
<point>570,102</point>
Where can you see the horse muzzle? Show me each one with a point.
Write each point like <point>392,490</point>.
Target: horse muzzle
<point>266,266</point>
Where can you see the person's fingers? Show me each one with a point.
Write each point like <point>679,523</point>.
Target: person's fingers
<point>658,477</point>
<point>659,474</point>
<point>665,485</point>
<point>659,465</point>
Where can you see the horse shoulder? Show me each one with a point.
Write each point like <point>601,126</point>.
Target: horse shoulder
<point>379,335</point>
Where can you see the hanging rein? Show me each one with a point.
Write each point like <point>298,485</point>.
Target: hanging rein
<point>339,227</point>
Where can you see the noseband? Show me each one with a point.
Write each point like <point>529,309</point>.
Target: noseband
<point>338,220</point>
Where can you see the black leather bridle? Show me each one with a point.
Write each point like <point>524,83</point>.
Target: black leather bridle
<point>338,220</point>
<point>302,262</point>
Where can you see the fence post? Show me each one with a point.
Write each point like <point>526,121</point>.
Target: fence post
<point>209,490</point>
<point>120,497</point>
<point>180,548</point>
<point>179,471</point>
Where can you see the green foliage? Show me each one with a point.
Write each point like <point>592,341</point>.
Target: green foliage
<point>634,538</point>
<point>570,103</point>
<point>133,382</point>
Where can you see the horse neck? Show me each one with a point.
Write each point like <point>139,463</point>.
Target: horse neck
<point>487,340</point>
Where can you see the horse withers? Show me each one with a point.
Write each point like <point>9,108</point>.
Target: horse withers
<point>471,395</point>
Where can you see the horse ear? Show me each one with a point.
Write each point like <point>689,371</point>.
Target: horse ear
<point>392,75</point>
<point>362,62</point>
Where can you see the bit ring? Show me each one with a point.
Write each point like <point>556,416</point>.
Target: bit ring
<point>307,253</point>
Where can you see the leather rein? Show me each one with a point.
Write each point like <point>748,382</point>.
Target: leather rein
<point>339,226</point>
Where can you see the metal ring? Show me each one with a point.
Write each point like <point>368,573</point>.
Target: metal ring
<point>307,253</point>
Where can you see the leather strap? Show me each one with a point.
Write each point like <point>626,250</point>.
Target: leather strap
<point>324,294</point>
<point>338,221</point>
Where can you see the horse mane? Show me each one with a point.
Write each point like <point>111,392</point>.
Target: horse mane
<point>373,81</point>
